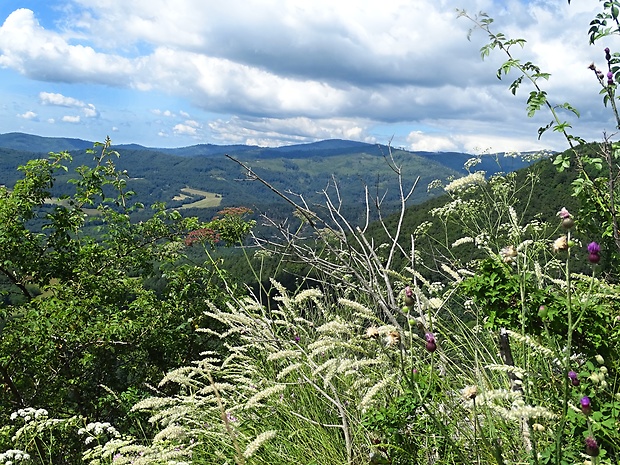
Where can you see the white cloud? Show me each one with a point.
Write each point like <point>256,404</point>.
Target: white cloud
<point>420,142</point>
<point>184,129</point>
<point>90,111</point>
<point>29,115</point>
<point>284,131</point>
<point>282,72</point>
<point>55,99</point>
<point>166,113</point>
<point>71,119</point>
<point>50,98</point>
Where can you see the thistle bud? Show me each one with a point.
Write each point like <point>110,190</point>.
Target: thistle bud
<point>409,301</point>
<point>574,379</point>
<point>586,405</point>
<point>431,344</point>
<point>592,447</point>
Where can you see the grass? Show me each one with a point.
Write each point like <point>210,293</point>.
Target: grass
<point>209,200</point>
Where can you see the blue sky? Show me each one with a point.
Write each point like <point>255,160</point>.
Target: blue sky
<point>277,72</point>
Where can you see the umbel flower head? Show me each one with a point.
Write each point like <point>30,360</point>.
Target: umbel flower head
<point>392,338</point>
<point>508,253</point>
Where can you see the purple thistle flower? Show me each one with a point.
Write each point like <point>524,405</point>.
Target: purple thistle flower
<point>594,251</point>
<point>610,78</point>
<point>592,447</point>
<point>573,378</point>
<point>564,213</point>
<point>586,405</point>
<point>607,54</point>
<point>431,344</point>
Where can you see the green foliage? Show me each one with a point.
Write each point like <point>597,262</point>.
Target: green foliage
<point>87,334</point>
<point>477,331</point>
<point>497,290</point>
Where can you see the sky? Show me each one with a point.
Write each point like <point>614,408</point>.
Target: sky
<point>164,73</point>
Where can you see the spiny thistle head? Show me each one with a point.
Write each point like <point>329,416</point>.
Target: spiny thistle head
<point>592,448</point>
<point>594,252</point>
<point>574,379</point>
<point>561,243</point>
<point>409,301</point>
<point>431,344</point>
<point>567,219</point>
<point>586,405</point>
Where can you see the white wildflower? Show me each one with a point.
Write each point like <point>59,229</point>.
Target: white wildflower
<point>473,179</point>
<point>308,294</point>
<point>336,326</point>
<point>362,311</point>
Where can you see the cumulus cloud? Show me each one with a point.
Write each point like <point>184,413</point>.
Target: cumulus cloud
<point>50,98</point>
<point>278,71</point>
<point>185,129</point>
<point>29,115</point>
<point>71,119</point>
<point>270,132</point>
<point>166,113</point>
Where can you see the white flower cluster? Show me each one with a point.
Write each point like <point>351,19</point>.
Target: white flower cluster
<point>482,240</point>
<point>460,184</point>
<point>456,207</point>
<point>434,184</point>
<point>12,456</point>
<point>96,429</point>
<point>422,228</point>
<point>29,414</point>
<point>472,162</point>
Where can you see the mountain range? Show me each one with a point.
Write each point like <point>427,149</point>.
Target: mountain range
<point>186,177</point>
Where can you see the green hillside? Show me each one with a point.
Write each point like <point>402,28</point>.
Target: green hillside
<point>159,175</point>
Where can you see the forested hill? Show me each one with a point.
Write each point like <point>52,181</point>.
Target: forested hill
<point>202,179</point>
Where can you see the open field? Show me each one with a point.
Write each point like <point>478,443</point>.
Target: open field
<point>209,200</point>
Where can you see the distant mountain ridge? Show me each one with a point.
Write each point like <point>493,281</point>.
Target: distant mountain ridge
<point>39,144</point>
<point>160,174</point>
<point>330,147</point>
